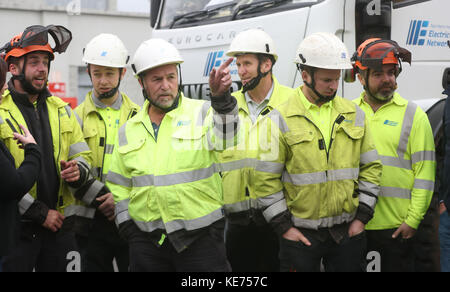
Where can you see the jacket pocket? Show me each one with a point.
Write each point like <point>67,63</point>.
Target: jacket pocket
<point>295,137</point>
<point>353,132</point>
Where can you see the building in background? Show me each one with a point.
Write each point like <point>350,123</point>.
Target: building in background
<point>128,19</point>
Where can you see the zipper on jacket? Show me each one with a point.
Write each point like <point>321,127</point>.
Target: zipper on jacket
<point>104,145</point>
<point>18,127</point>
<point>61,182</point>
<point>338,121</point>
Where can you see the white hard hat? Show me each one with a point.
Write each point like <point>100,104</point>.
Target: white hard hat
<point>254,41</point>
<point>323,50</point>
<point>154,53</point>
<point>106,50</point>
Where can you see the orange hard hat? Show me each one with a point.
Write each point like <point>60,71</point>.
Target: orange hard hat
<point>375,52</point>
<point>35,38</point>
<point>17,51</point>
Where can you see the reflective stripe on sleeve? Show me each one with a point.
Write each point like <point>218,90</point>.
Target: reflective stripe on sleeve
<point>92,192</point>
<point>424,184</point>
<point>278,120</point>
<point>25,203</point>
<point>369,157</point>
<point>77,148</point>
<point>368,200</point>
<point>423,156</point>
<point>274,210</point>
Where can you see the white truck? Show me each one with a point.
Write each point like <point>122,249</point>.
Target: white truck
<point>203,29</point>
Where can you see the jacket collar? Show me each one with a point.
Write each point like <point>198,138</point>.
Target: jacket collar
<point>297,108</point>
<point>242,102</point>
<point>91,106</point>
<point>45,96</point>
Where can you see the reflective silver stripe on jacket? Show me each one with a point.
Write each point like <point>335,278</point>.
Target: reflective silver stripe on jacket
<point>77,148</point>
<point>25,203</point>
<point>123,135</point>
<point>238,206</point>
<point>203,113</point>
<point>81,211</point>
<point>176,225</point>
<point>269,167</point>
<point>236,164</point>
<point>423,156</point>
<point>323,222</point>
<point>394,192</point>
<point>196,223</point>
<point>368,200</point>
<point>273,204</point>
<point>119,179</point>
<point>109,149</point>
<point>80,121</point>
<point>369,157</point>
<point>360,117</point>
<point>92,192</point>
<point>320,177</point>
<point>368,187</point>
<point>121,212</point>
<point>278,120</point>
<point>407,123</point>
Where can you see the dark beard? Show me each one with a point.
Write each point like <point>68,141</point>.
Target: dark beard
<point>29,88</point>
<point>108,94</point>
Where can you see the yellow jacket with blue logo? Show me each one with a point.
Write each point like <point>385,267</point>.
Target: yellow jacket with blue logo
<point>171,181</point>
<point>68,144</point>
<point>94,130</point>
<point>238,162</point>
<point>405,143</point>
<point>313,186</point>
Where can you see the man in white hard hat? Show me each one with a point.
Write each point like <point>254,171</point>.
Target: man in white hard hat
<point>318,180</point>
<point>252,246</point>
<point>164,173</point>
<point>104,110</point>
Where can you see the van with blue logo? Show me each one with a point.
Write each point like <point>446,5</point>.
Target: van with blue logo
<point>203,29</point>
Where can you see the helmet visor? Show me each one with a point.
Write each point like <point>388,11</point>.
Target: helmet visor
<point>382,52</point>
<point>38,35</point>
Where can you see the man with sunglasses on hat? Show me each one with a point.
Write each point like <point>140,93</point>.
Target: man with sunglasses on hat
<point>405,143</point>
<point>47,242</point>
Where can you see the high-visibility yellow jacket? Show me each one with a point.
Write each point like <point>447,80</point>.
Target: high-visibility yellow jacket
<point>68,144</point>
<point>320,187</point>
<point>238,162</point>
<point>170,181</point>
<point>405,143</point>
<point>95,130</point>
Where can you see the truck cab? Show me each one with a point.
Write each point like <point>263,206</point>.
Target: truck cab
<point>203,29</point>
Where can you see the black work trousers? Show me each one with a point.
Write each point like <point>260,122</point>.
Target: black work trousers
<point>346,256</point>
<point>102,246</point>
<point>396,255</point>
<point>252,248</point>
<point>205,254</point>
<point>42,250</point>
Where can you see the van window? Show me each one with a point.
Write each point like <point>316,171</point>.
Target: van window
<point>187,13</point>
<point>403,3</point>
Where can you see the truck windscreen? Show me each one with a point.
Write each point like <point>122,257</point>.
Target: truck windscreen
<point>186,13</point>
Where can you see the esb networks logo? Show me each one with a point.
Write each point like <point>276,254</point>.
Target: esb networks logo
<point>418,30</point>
<point>214,59</point>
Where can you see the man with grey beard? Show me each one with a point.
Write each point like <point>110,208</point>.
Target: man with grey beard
<point>405,144</point>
